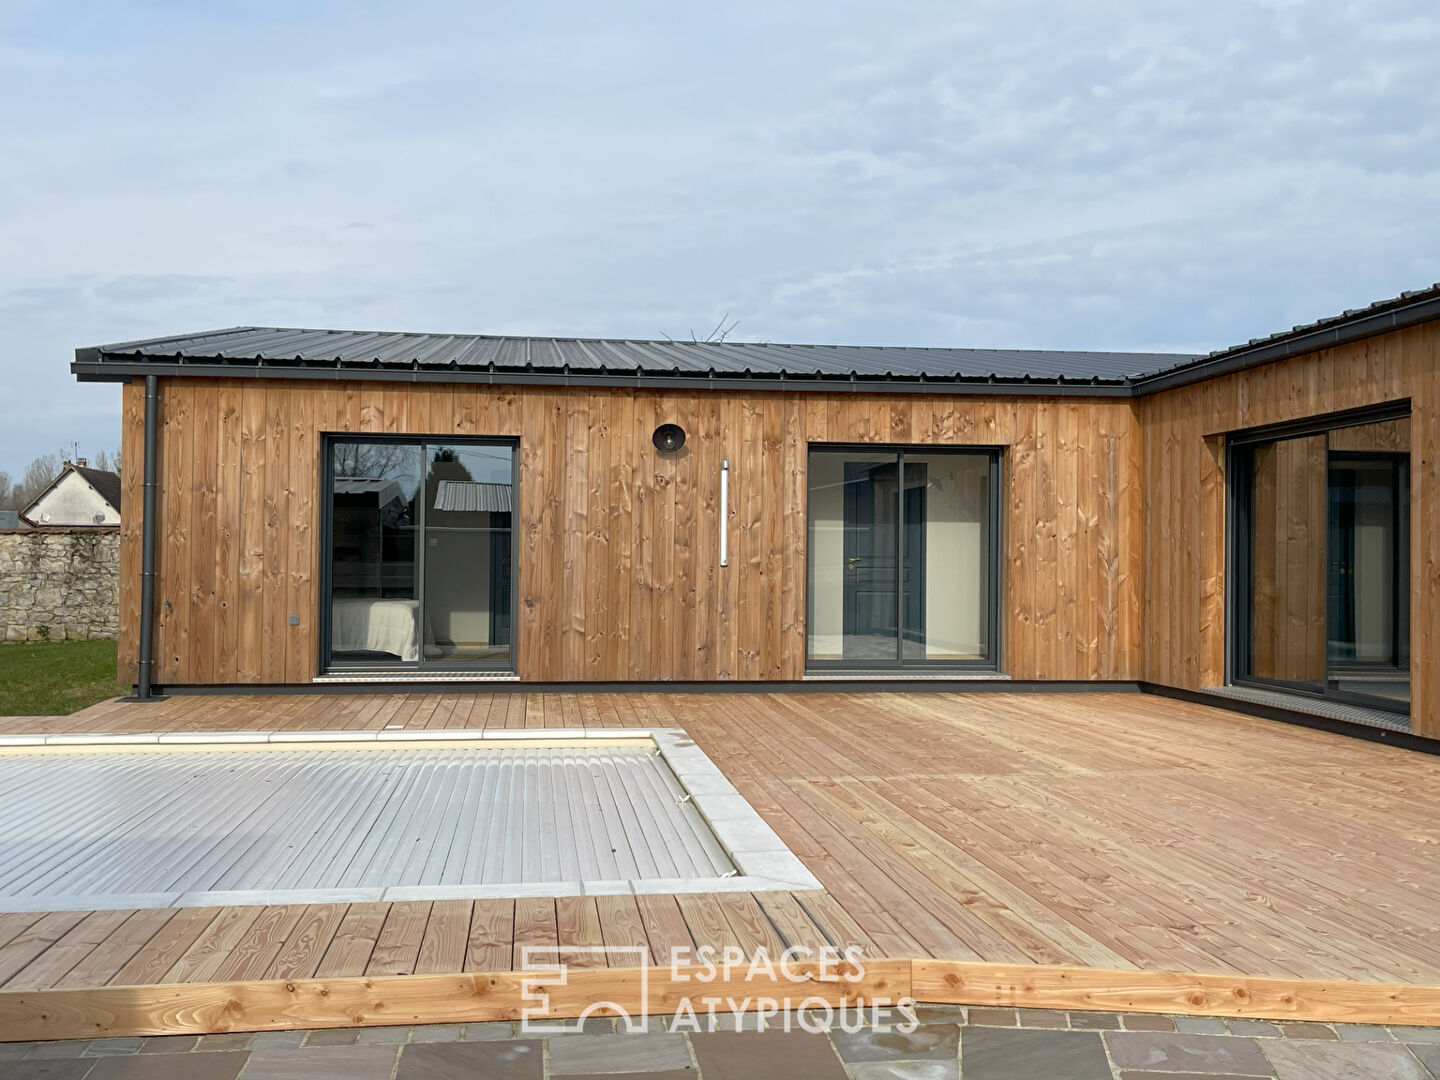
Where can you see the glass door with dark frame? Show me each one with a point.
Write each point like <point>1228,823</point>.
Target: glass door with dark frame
<point>901,567</point>
<point>420,545</point>
<point>1321,555</point>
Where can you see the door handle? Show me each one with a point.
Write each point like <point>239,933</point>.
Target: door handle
<point>853,562</point>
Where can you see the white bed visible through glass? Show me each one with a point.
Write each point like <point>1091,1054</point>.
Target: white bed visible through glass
<point>420,543</point>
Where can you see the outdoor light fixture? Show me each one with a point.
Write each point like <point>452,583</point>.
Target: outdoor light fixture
<point>668,438</point>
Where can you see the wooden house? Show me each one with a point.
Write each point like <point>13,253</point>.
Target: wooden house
<point>1257,525</point>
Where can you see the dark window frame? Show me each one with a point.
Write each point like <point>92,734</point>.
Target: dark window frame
<point>326,663</point>
<point>992,662</point>
<point>1239,576</point>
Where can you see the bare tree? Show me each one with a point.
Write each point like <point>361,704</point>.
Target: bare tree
<point>719,333</point>
<point>17,494</point>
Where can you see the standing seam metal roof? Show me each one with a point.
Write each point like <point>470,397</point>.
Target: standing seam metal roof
<point>251,349</point>
<point>356,348</point>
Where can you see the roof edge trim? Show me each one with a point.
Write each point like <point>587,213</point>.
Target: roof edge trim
<point>121,370</point>
<point>1280,347</point>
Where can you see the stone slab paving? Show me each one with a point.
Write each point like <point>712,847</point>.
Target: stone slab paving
<point>950,1043</point>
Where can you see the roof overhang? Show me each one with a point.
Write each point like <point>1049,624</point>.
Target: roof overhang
<point>122,363</point>
<point>111,368</point>
<point>1353,326</point>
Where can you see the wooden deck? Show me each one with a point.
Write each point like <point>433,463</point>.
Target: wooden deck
<point>1098,849</point>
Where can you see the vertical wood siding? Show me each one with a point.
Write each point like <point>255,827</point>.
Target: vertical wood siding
<point>1185,496</point>
<point>1113,518</point>
<point>618,575</point>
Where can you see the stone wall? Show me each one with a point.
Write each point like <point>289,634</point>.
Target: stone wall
<point>59,584</point>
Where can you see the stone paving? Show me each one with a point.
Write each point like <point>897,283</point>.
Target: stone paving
<point>951,1043</point>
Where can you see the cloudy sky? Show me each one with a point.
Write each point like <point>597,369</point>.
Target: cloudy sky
<point>1173,176</point>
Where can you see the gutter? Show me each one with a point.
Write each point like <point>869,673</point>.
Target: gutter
<point>119,370</point>
<point>145,661</point>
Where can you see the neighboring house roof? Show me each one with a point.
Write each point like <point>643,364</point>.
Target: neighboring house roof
<point>274,351</point>
<point>472,495</point>
<point>384,489</point>
<point>105,484</point>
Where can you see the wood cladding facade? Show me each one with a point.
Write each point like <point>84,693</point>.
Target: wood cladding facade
<point>618,572</point>
<point>1113,518</point>
<point>1185,505</point>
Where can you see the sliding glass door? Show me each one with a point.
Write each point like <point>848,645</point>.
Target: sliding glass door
<point>421,549</point>
<point>1321,557</point>
<point>902,558</point>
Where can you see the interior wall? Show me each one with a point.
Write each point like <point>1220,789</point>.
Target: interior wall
<point>618,575</point>
<point>957,524</point>
<point>1184,469</point>
<point>457,603</point>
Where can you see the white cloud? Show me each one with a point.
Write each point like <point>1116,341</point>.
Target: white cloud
<point>1125,175</point>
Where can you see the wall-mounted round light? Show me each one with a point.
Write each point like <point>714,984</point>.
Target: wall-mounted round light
<point>668,438</point>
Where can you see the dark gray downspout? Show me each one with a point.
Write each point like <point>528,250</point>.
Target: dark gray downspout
<point>146,663</point>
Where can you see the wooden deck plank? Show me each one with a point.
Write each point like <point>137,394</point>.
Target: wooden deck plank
<point>535,928</point>
<point>621,926</point>
<point>793,923</point>
<point>1098,831</point>
<point>158,955</point>
<point>398,947</point>
<point>305,946</point>
<point>447,933</point>
<point>350,949</point>
<point>209,951</point>
<point>54,963</point>
<point>577,924</point>
<point>492,933</point>
<point>253,956</point>
<point>750,924</point>
<point>101,964</point>
<point>665,927</point>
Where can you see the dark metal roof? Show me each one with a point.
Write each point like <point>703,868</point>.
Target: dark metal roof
<point>1407,309</point>
<point>297,353</point>
<point>242,345</point>
<point>106,483</point>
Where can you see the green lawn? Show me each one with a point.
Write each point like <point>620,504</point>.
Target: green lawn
<point>52,679</point>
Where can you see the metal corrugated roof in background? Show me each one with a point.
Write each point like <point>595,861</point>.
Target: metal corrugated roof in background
<point>472,496</point>
<point>356,348</point>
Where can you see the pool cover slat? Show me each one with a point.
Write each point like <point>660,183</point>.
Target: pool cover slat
<point>135,823</point>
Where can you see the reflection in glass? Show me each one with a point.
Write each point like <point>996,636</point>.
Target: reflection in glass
<point>420,552</point>
<point>1323,557</point>
<point>947,556</point>
<point>1288,610</point>
<point>468,502</point>
<point>375,603</point>
<point>899,557</point>
<point>1369,572</point>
